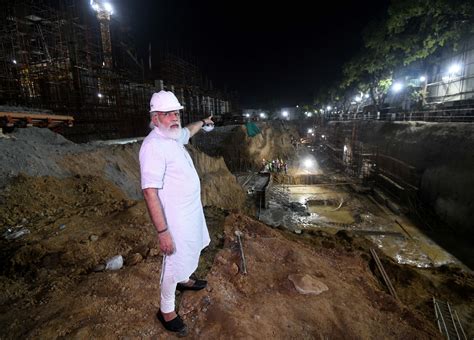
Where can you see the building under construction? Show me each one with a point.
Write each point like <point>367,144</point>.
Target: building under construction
<point>73,58</point>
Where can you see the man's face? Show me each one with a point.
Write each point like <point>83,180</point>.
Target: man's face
<point>168,123</point>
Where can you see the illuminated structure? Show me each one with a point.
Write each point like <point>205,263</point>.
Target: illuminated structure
<point>59,56</point>
<point>104,11</point>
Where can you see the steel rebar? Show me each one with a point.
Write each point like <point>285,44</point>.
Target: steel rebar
<point>242,256</point>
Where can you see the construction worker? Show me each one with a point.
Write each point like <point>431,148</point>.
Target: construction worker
<point>172,192</point>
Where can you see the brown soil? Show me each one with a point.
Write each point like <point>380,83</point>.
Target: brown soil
<point>242,152</point>
<point>265,303</point>
<point>49,288</point>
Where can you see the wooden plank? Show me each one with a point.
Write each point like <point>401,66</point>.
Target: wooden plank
<point>34,116</point>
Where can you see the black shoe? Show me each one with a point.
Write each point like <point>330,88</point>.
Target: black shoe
<point>176,325</point>
<point>197,285</point>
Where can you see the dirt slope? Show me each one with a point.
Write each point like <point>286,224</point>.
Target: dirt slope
<point>41,152</point>
<point>219,187</point>
<point>265,303</point>
<point>49,288</point>
<point>52,284</point>
<point>242,152</point>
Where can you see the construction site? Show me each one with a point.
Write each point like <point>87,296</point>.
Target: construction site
<point>338,247</point>
<point>324,227</point>
<point>72,63</point>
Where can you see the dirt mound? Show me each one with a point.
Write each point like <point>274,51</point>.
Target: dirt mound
<point>49,283</point>
<point>32,151</point>
<point>218,186</point>
<point>242,152</point>
<point>117,163</point>
<point>52,283</point>
<point>61,215</point>
<point>265,303</point>
<point>41,152</point>
<point>49,286</point>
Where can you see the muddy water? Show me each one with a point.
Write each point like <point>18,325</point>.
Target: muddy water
<point>331,207</point>
<point>330,211</point>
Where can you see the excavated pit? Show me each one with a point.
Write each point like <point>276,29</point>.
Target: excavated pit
<point>241,152</point>
<point>298,179</point>
<point>331,209</point>
<point>81,205</point>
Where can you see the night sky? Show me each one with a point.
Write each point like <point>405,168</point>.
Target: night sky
<point>271,54</point>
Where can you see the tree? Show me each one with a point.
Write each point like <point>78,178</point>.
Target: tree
<point>370,71</point>
<point>367,73</point>
<point>418,29</point>
<point>414,30</point>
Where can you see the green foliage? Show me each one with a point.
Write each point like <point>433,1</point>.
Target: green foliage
<point>417,29</point>
<point>369,73</point>
<point>414,30</point>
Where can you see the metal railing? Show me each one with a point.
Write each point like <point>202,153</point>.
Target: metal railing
<point>445,115</point>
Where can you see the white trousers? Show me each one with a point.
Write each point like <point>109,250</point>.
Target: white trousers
<point>168,289</point>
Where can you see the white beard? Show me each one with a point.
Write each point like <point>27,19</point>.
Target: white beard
<point>172,133</point>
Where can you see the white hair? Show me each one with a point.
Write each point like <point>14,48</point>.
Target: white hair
<point>166,131</point>
<point>151,125</point>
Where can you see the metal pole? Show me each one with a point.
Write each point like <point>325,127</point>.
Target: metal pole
<point>244,265</point>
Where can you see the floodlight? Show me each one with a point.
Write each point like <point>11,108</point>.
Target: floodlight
<point>308,163</point>
<point>397,87</point>
<point>108,7</point>
<point>454,69</point>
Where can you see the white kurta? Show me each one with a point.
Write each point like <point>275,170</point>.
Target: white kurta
<point>165,164</point>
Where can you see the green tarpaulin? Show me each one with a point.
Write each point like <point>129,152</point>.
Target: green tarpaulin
<point>252,129</point>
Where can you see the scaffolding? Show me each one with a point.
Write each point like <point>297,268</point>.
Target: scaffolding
<point>34,58</point>
<point>193,90</point>
<point>76,60</point>
<point>52,56</point>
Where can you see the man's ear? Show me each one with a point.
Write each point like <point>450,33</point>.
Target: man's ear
<point>155,119</point>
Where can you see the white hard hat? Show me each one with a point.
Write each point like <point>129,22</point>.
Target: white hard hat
<point>164,101</point>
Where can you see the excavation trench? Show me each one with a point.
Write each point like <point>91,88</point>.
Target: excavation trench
<point>329,203</point>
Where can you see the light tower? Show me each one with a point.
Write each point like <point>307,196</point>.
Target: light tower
<point>103,12</point>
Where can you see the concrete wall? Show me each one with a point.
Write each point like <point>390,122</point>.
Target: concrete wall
<point>443,155</point>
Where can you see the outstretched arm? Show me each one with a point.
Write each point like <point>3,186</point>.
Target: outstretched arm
<point>196,126</point>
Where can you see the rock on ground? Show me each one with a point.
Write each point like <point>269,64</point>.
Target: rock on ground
<point>265,304</point>
<point>306,284</point>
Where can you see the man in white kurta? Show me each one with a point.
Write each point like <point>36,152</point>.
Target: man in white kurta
<point>172,192</point>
